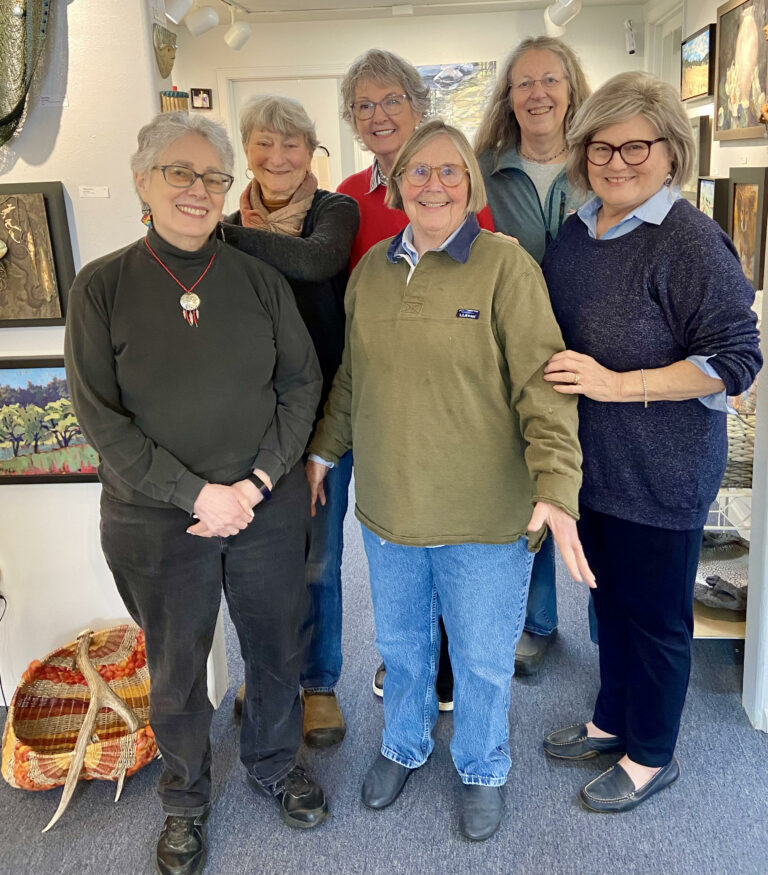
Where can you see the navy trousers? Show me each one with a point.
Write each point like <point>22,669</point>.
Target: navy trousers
<point>644,608</point>
<point>171,583</point>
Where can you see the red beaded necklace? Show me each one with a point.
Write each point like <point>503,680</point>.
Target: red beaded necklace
<point>189,300</point>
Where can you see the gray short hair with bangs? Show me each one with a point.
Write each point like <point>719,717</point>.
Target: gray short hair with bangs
<point>167,127</point>
<point>621,98</point>
<point>274,112</point>
<point>383,67</point>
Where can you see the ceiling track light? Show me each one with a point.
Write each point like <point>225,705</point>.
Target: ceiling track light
<point>201,19</point>
<point>177,9</point>
<point>558,14</point>
<point>238,34</point>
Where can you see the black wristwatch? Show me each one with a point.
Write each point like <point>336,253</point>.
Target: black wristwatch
<point>260,485</point>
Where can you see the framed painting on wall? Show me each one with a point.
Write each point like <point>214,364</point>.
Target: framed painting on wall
<point>702,137</point>
<point>36,264</point>
<point>741,70</point>
<point>747,214</point>
<point>712,199</point>
<point>40,438</point>
<point>697,64</point>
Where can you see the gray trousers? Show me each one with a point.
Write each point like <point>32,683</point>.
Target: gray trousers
<point>171,583</point>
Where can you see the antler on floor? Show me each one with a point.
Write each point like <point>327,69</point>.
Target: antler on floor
<point>101,697</point>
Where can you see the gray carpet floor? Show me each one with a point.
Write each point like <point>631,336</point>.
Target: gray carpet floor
<point>711,822</point>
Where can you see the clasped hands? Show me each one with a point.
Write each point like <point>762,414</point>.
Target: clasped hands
<point>223,511</point>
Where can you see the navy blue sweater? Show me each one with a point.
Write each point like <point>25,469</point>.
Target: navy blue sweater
<point>645,300</point>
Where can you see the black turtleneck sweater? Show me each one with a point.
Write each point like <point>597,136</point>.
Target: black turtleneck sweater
<point>170,407</point>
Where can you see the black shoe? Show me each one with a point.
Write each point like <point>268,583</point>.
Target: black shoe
<point>378,681</point>
<point>302,801</point>
<point>445,699</point>
<point>614,790</point>
<point>383,783</point>
<point>530,652</point>
<point>481,811</point>
<point>239,701</point>
<point>181,846</point>
<point>573,743</point>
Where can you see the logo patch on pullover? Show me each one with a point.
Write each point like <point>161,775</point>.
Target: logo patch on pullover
<point>467,314</point>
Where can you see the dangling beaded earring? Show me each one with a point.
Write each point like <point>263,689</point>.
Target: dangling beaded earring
<point>668,180</point>
<point>146,217</point>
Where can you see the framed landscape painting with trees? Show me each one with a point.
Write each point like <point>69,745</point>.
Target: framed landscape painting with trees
<point>40,438</point>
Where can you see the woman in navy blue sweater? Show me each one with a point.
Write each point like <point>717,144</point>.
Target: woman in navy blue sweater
<point>656,316</point>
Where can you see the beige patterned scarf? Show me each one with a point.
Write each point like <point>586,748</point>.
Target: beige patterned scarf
<point>288,219</point>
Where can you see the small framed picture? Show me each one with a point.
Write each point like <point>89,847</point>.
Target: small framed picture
<point>201,98</point>
<point>747,214</point>
<point>36,264</point>
<point>712,199</point>
<point>40,438</point>
<point>702,137</point>
<point>697,65</point>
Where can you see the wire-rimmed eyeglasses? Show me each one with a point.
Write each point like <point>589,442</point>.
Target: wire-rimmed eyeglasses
<point>548,83</point>
<point>450,175</point>
<point>179,176</point>
<point>393,104</point>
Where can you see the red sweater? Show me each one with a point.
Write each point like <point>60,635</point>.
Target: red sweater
<point>377,220</point>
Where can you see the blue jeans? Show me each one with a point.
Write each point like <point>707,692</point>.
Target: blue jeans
<point>541,613</point>
<point>322,664</point>
<point>481,590</point>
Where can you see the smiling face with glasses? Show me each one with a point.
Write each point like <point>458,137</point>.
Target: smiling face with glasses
<point>539,96</point>
<point>384,119</point>
<point>185,191</point>
<point>627,163</point>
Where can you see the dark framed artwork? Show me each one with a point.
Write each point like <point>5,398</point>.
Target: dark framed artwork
<point>201,98</point>
<point>712,199</point>
<point>747,214</point>
<point>36,264</point>
<point>741,69</point>
<point>40,438</point>
<point>702,137</point>
<point>697,64</point>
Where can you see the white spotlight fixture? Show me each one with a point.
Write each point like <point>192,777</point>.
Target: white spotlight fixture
<point>238,34</point>
<point>201,19</point>
<point>177,9</point>
<point>558,14</point>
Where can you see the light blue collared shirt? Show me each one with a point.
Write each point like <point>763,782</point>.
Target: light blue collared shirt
<point>653,212</point>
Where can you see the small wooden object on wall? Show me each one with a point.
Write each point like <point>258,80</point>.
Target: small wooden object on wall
<point>747,214</point>
<point>697,64</point>
<point>174,101</point>
<point>712,199</point>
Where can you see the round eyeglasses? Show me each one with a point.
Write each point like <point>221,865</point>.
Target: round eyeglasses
<point>450,175</point>
<point>393,104</point>
<point>548,83</point>
<point>633,152</point>
<point>179,176</point>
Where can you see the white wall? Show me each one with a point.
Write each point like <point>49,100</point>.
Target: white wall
<point>100,56</point>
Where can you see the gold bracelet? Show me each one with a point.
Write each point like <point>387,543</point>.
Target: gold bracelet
<point>645,387</point>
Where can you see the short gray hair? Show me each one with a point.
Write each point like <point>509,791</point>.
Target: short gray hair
<point>383,67</point>
<point>499,129</point>
<point>621,98</point>
<point>418,139</point>
<point>167,127</point>
<point>283,115</point>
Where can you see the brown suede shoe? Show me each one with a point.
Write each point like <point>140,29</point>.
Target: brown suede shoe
<point>324,723</point>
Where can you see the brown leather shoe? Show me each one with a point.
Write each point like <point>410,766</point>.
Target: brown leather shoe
<point>239,701</point>
<point>324,723</point>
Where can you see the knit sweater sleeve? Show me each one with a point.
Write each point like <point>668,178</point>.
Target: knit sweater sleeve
<point>529,335</point>
<point>91,375</point>
<point>707,301</point>
<point>320,255</point>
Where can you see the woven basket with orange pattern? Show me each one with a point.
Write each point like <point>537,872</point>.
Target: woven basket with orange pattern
<point>49,706</point>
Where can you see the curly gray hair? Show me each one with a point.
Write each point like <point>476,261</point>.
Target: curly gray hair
<point>383,67</point>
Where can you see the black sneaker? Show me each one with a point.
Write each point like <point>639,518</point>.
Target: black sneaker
<point>181,846</point>
<point>302,801</point>
<point>444,695</point>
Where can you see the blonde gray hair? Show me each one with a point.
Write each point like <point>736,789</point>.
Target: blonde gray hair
<point>283,115</point>
<point>383,67</point>
<point>167,127</point>
<point>418,139</point>
<point>500,130</point>
<point>624,97</point>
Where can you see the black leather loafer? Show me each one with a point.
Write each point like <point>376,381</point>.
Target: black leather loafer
<point>302,801</point>
<point>573,743</point>
<point>181,846</point>
<point>383,783</point>
<point>615,791</point>
<point>530,652</point>
<point>481,811</point>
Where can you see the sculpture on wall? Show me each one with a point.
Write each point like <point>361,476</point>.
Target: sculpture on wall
<point>22,38</point>
<point>164,41</point>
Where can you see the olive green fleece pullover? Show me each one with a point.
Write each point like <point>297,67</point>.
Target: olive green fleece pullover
<point>442,398</point>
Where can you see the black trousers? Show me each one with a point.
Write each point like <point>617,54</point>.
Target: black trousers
<point>171,583</point>
<point>644,608</point>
